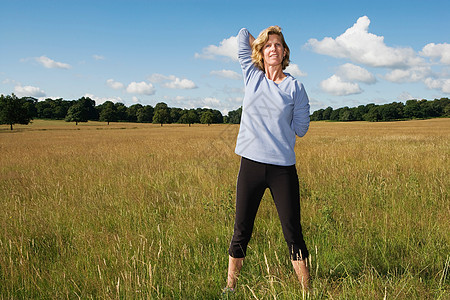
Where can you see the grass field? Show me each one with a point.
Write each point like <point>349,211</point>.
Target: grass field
<point>143,211</point>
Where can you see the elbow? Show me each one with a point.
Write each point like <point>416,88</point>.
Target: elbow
<point>301,129</point>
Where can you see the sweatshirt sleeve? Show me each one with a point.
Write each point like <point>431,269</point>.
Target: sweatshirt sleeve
<point>300,120</point>
<point>245,55</point>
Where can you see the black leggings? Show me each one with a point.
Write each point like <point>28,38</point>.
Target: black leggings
<point>253,179</point>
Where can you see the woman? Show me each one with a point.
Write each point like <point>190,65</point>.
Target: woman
<point>275,110</point>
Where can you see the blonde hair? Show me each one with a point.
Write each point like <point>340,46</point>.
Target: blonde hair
<point>258,44</point>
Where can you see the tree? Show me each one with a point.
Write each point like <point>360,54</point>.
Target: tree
<point>108,112</point>
<point>412,109</point>
<point>89,106</point>
<point>372,115</point>
<point>188,117</point>
<point>161,114</point>
<point>217,116</point>
<point>44,109</point>
<point>345,114</point>
<point>234,116</point>
<point>121,111</point>
<point>391,111</point>
<point>430,109</point>
<point>175,114</point>
<point>334,116</point>
<point>193,116</point>
<point>317,115</point>
<point>444,104</point>
<point>14,111</point>
<point>184,119</point>
<point>327,113</point>
<point>206,117</point>
<point>161,105</point>
<point>447,110</point>
<point>60,108</point>
<point>77,113</point>
<point>132,112</point>
<point>30,105</point>
<point>52,109</point>
<point>82,110</point>
<point>359,112</point>
<point>145,114</point>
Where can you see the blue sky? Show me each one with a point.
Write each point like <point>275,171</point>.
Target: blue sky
<point>183,53</point>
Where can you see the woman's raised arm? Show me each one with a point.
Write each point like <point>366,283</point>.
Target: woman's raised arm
<point>251,39</point>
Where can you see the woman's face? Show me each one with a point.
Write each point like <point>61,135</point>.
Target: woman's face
<point>273,51</point>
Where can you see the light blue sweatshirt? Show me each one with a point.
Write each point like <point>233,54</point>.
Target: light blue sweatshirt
<point>272,114</point>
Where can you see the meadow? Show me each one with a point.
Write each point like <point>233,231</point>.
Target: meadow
<point>142,211</point>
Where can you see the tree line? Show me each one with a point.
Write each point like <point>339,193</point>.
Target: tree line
<point>14,110</point>
<point>412,109</point>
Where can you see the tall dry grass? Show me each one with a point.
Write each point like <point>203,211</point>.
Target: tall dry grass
<point>143,211</point>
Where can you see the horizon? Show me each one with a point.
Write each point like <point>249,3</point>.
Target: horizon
<point>226,115</point>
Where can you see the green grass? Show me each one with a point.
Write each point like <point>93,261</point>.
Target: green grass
<point>143,211</point>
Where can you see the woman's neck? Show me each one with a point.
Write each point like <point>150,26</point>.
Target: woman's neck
<point>275,73</point>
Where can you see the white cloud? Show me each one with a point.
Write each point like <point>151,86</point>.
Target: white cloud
<point>142,87</point>
<point>338,87</point>
<point>235,99</point>
<point>228,48</point>
<point>172,82</point>
<point>10,81</point>
<point>317,104</point>
<point>51,64</point>
<point>179,98</point>
<point>156,78</point>
<point>135,99</point>
<point>115,84</point>
<point>408,75</point>
<point>98,57</point>
<point>101,100</point>
<point>294,70</point>
<point>351,72</point>
<point>438,51</point>
<point>28,91</point>
<point>178,83</point>
<point>223,105</point>
<point>211,101</point>
<point>405,96</point>
<point>438,84</point>
<point>360,46</point>
<point>227,74</point>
